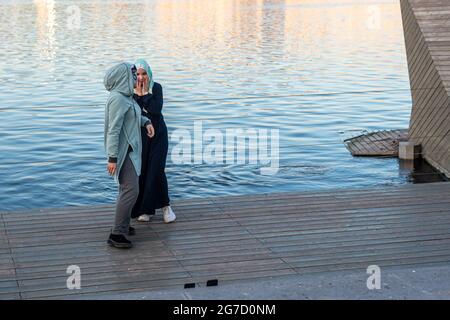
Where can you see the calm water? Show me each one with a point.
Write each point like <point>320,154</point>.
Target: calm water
<point>318,71</point>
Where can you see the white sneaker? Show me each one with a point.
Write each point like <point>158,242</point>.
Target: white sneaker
<point>169,215</point>
<point>144,218</point>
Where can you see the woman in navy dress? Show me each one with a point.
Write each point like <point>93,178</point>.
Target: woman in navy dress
<point>153,188</point>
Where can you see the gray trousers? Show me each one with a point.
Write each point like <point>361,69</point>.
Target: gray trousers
<point>128,193</point>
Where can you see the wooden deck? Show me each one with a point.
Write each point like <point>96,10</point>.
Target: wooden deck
<point>379,143</point>
<point>427,41</point>
<point>227,238</point>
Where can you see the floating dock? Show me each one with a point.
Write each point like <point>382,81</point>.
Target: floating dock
<point>380,143</point>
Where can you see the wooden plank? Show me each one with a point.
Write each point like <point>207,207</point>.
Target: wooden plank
<point>119,287</point>
<point>299,229</point>
<point>362,250</point>
<point>294,243</point>
<point>424,131</point>
<point>418,96</point>
<point>357,205</point>
<point>421,101</point>
<point>437,97</point>
<point>441,130</point>
<point>384,143</point>
<point>362,266</point>
<point>336,230</point>
<point>374,258</point>
<point>88,213</point>
<point>10,296</point>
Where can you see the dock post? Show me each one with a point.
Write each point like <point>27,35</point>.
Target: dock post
<point>408,150</point>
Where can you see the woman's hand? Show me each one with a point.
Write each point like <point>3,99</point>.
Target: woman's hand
<point>150,131</point>
<point>139,88</point>
<point>145,86</point>
<point>111,167</point>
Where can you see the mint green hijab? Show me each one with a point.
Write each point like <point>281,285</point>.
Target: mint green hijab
<point>142,64</point>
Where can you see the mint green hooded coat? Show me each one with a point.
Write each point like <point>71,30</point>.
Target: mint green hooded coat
<point>123,118</point>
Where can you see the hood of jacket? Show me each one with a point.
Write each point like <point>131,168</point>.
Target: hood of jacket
<point>119,78</point>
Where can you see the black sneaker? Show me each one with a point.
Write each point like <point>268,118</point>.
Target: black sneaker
<point>119,241</point>
<point>131,231</point>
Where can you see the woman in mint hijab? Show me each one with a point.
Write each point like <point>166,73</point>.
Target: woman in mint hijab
<point>153,188</point>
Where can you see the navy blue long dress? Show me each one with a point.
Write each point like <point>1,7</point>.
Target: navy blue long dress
<point>153,189</point>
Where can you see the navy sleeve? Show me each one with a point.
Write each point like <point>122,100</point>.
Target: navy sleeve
<point>153,103</point>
